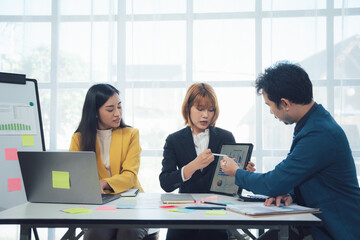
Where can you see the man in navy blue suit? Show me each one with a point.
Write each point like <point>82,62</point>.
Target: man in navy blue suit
<point>319,171</point>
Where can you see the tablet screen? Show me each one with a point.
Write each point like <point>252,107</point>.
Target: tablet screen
<point>223,183</point>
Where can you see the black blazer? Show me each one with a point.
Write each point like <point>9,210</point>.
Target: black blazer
<point>179,150</point>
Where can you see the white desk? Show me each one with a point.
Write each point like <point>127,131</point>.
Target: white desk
<point>146,214</point>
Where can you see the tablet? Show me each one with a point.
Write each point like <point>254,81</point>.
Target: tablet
<point>223,183</point>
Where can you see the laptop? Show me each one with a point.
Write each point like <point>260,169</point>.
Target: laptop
<point>62,177</point>
<point>225,184</point>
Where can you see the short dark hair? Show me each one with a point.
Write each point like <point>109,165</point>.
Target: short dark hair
<point>285,80</point>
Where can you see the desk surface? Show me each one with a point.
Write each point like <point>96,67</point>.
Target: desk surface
<point>146,213</point>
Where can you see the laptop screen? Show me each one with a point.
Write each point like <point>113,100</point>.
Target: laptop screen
<point>223,183</point>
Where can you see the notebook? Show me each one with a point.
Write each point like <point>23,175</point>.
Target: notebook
<point>172,198</point>
<point>62,177</point>
<point>225,184</point>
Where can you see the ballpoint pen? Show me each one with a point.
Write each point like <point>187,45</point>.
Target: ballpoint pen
<point>206,208</point>
<point>215,203</point>
<point>220,155</point>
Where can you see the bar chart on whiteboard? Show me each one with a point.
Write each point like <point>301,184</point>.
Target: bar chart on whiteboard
<point>17,118</point>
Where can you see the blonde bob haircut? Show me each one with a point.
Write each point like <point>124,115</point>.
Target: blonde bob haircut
<point>197,94</point>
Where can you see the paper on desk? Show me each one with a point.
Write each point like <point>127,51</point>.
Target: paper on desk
<point>215,212</point>
<point>258,209</point>
<point>78,210</point>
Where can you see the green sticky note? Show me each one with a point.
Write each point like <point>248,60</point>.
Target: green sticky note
<point>78,210</point>
<point>27,140</point>
<point>215,212</point>
<point>61,179</point>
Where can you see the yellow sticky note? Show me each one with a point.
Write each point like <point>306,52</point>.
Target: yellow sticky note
<point>27,140</point>
<point>78,210</point>
<point>215,212</point>
<point>61,179</point>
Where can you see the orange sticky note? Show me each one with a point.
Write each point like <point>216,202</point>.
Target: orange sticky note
<point>14,184</point>
<point>27,140</point>
<point>211,198</point>
<point>11,154</point>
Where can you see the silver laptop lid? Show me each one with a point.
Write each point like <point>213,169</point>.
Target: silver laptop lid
<point>60,177</point>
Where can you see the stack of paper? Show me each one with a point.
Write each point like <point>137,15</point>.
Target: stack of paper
<point>258,209</point>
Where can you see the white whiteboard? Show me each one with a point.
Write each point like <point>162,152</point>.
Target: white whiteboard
<point>20,129</point>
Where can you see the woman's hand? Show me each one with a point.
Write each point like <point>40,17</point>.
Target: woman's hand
<point>251,167</point>
<point>204,159</point>
<point>104,186</point>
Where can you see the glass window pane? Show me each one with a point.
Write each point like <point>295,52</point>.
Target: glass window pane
<point>78,7</point>
<point>150,168</point>
<point>104,51</point>
<point>347,113</point>
<point>155,6</point>
<point>346,3</point>
<point>320,96</point>
<point>269,163</point>
<point>68,118</point>
<point>28,7</point>
<point>237,112</point>
<point>347,47</point>
<point>209,6</point>
<point>74,52</point>
<point>156,112</point>
<point>25,48</point>
<point>224,50</point>
<point>305,44</point>
<point>276,5</point>
<point>161,57</point>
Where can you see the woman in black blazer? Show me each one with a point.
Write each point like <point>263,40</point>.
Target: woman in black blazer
<point>188,162</point>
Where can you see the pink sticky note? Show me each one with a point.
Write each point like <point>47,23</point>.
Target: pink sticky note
<point>14,184</point>
<point>168,206</point>
<point>106,208</point>
<point>212,198</point>
<point>11,154</point>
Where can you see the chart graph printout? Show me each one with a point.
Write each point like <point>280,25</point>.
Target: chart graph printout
<point>223,183</point>
<point>17,119</point>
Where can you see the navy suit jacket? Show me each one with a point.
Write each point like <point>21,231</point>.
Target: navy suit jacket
<point>179,150</point>
<point>321,169</point>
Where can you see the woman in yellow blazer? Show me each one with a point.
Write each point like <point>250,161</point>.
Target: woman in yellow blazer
<point>117,150</point>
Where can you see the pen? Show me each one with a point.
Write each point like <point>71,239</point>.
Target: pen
<point>215,203</point>
<point>220,155</point>
<point>206,208</point>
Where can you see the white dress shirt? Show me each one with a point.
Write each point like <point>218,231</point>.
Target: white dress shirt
<point>201,142</point>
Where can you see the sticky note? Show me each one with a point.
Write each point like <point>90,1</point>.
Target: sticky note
<point>215,212</point>
<point>106,208</point>
<point>181,210</point>
<point>11,154</point>
<point>125,205</point>
<point>212,198</point>
<point>14,184</point>
<point>78,210</point>
<point>27,140</point>
<point>61,179</point>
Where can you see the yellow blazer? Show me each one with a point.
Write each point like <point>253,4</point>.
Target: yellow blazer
<point>124,158</point>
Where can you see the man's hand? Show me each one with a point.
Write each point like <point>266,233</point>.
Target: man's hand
<point>286,199</point>
<point>229,166</point>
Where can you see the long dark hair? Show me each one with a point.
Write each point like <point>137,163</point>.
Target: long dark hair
<point>96,96</point>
